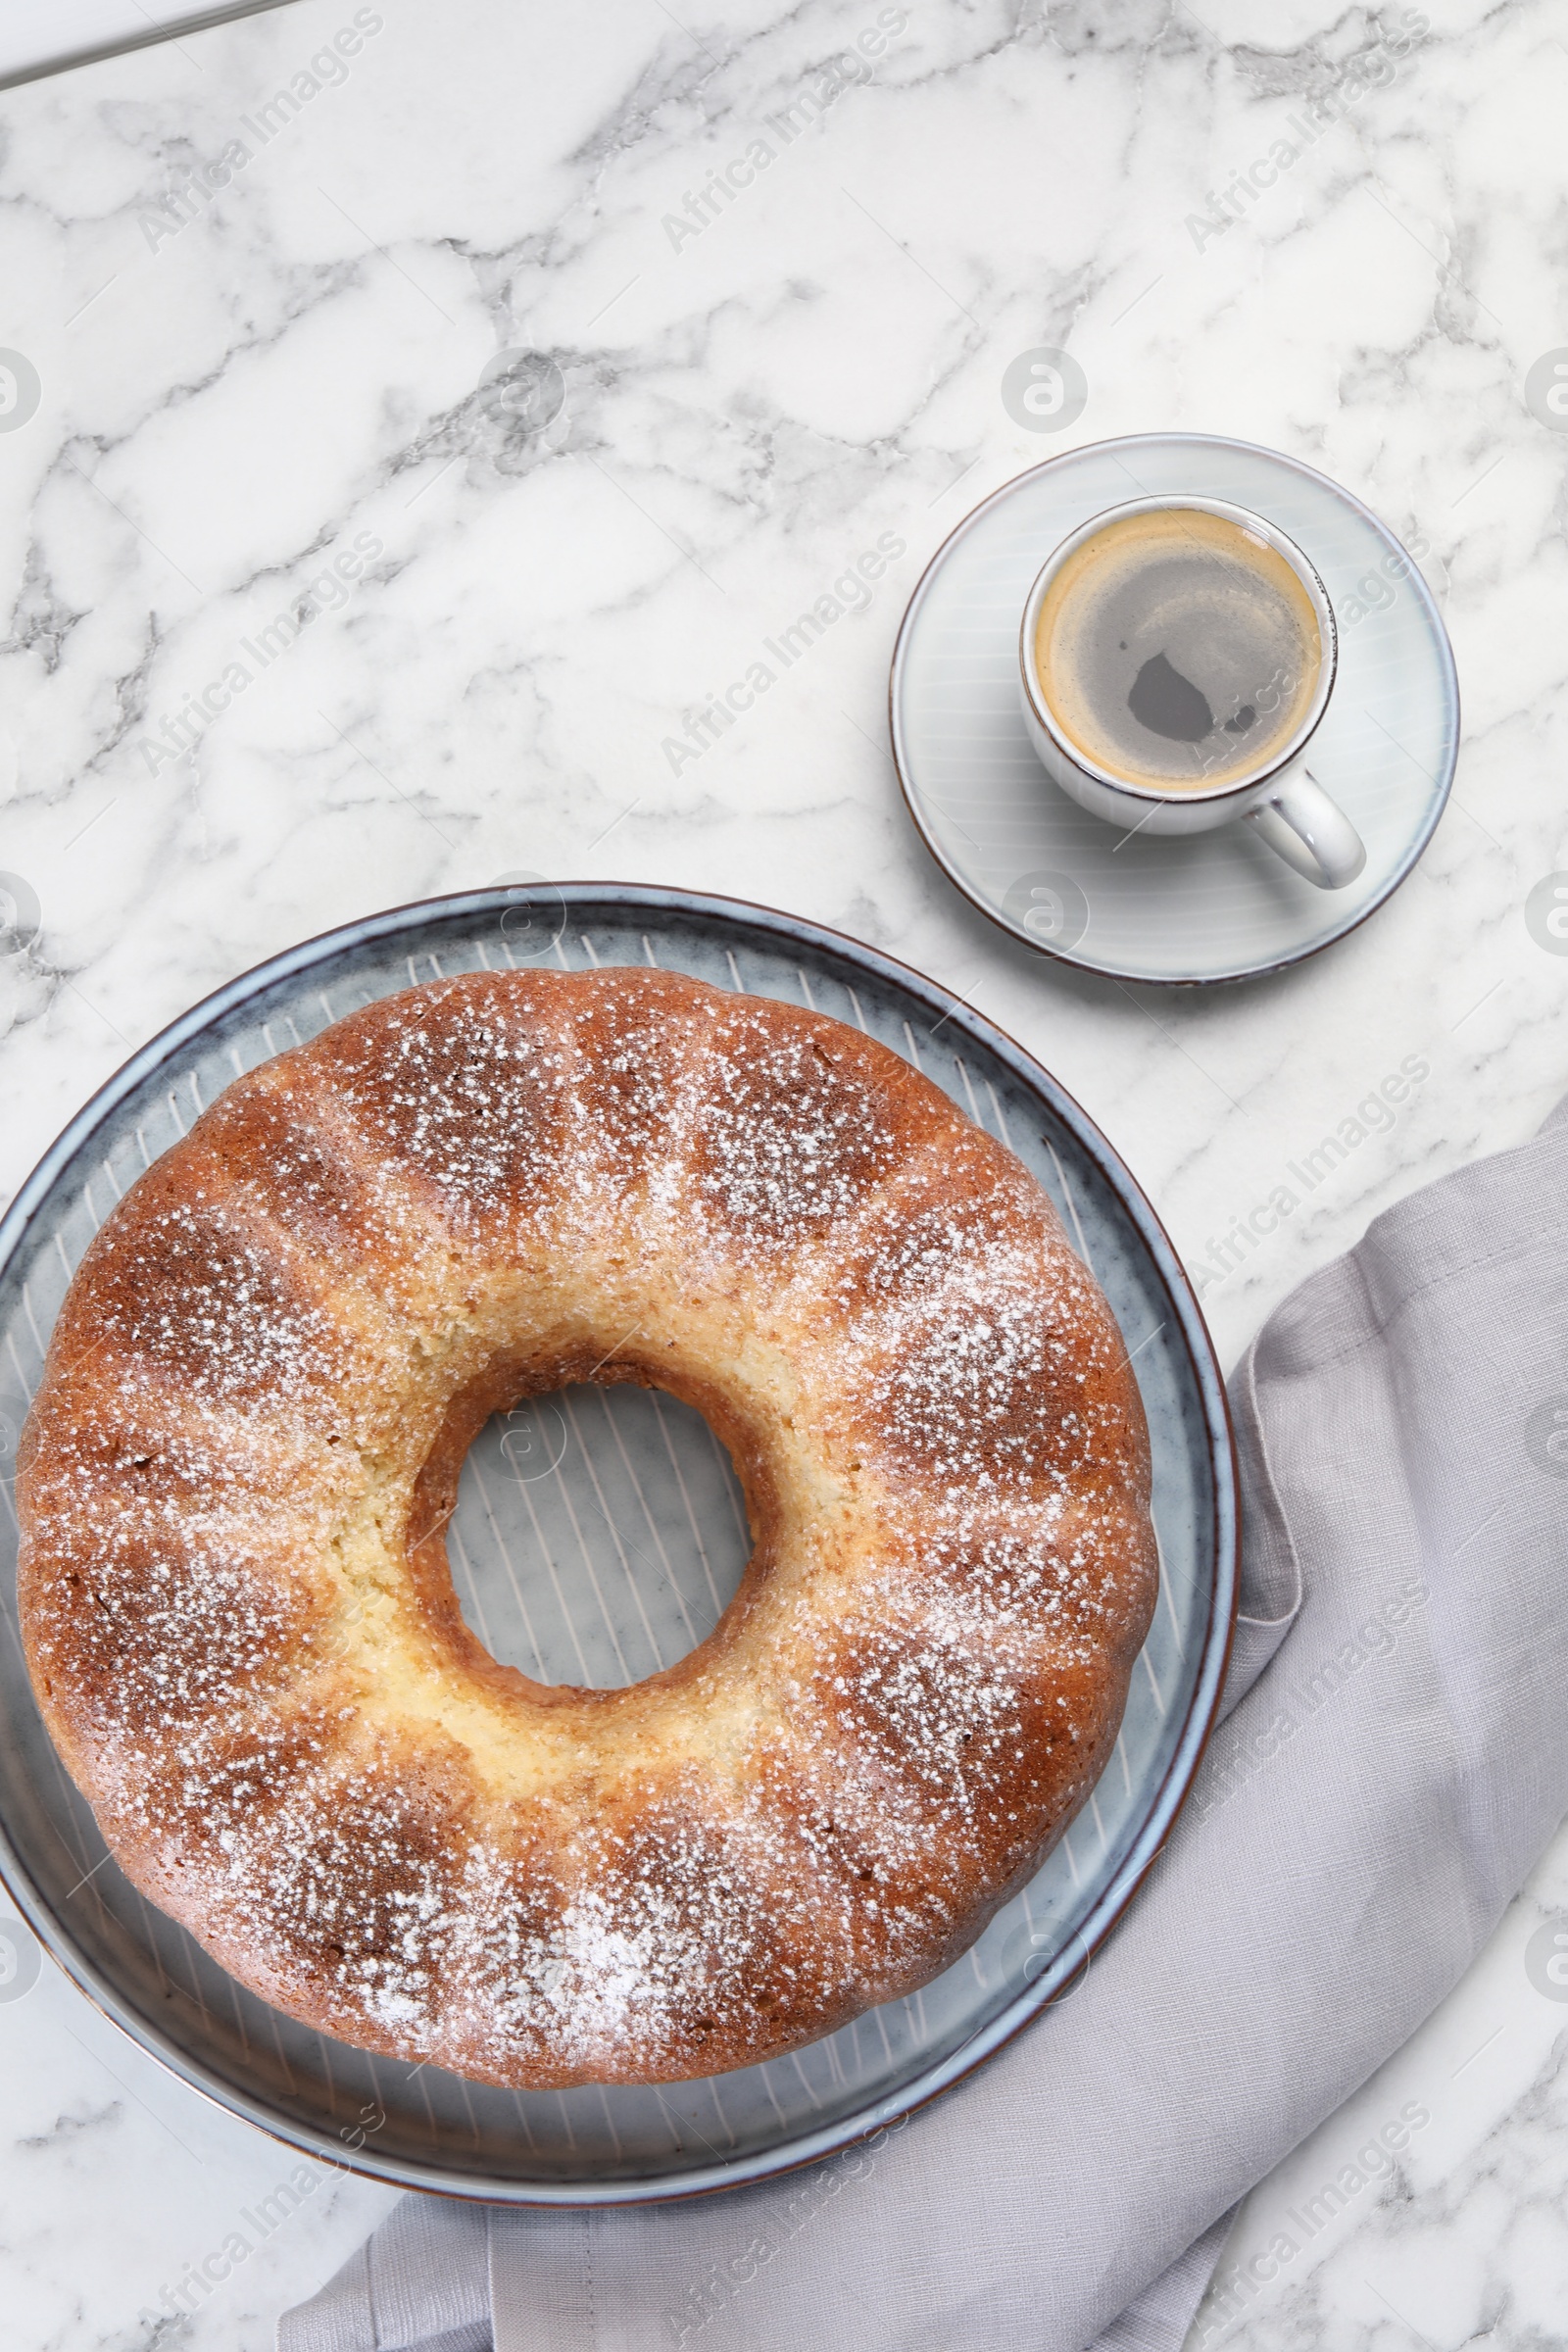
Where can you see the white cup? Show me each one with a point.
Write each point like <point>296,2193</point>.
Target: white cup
<point>1283,801</point>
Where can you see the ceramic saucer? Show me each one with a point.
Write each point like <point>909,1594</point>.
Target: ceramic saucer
<point>1219,905</point>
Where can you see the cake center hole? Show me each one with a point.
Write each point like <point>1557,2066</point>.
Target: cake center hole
<point>599,1535</point>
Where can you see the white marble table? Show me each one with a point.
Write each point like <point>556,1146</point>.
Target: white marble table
<point>261,274</point>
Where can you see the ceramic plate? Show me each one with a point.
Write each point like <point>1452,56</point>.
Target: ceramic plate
<point>1220,906</point>
<point>598,1534</point>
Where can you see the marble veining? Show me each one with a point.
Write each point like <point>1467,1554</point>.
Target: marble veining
<point>417,426</point>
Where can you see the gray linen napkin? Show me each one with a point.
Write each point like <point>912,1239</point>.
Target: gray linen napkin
<point>1358,1826</point>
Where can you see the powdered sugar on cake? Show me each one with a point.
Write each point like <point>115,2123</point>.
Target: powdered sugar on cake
<point>292,1743</point>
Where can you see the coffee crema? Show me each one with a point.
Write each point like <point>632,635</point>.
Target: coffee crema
<point>1178,651</point>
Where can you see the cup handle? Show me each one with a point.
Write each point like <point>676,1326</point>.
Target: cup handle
<point>1309,831</point>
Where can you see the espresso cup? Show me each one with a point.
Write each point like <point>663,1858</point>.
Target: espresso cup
<point>1131,734</point>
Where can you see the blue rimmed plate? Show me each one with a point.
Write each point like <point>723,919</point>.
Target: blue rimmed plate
<point>613,1590</point>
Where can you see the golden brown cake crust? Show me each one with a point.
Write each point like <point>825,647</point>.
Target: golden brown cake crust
<point>268,1368</point>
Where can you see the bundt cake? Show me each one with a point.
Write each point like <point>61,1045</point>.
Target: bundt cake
<point>233,1486</point>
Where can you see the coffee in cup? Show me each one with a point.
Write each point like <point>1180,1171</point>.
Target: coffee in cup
<point>1177,650</point>
<point>1176,658</point>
